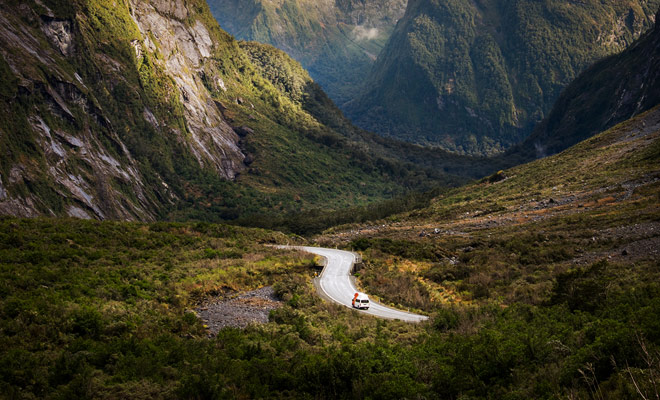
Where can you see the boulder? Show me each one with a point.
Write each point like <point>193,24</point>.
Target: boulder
<point>243,131</point>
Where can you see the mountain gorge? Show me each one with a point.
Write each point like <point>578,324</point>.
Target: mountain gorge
<point>475,77</point>
<point>337,41</point>
<point>147,109</point>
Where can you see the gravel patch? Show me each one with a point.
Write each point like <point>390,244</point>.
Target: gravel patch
<point>240,311</point>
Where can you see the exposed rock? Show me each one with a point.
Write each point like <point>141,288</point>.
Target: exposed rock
<point>174,8</point>
<point>247,308</point>
<point>23,208</point>
<point>77,212</point>
<point>243,131</point>
<point>88,189</point>
<point>51,147</point>
<point>221,84</point>
<point>149,117</point>
<point>48,12</point>
<point>186,50</point>
<point>3,192</point>
<point>16,174</point>
<point>58,105</point>
<point>59,33</point>
<point>137,46</point>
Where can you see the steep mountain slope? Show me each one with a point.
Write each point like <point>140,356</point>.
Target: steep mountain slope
<point>611,91</point>
<point>335,40</point>
<point>475,77</point>
<point>147,109</point>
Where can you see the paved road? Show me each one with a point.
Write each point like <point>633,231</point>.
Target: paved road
<point>336,284</point>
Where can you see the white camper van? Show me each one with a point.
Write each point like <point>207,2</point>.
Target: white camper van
<point>360,300</point>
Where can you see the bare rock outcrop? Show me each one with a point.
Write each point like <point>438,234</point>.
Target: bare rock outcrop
<point>85,161</point>
<point>186,50</point>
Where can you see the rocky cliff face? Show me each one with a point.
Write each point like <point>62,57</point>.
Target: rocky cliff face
<point>476,76</point>
<point>335,40</point>
<point>77,150</point>
<point>186,50</point>
<point>79,92</point>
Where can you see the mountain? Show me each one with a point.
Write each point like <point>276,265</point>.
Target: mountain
<point>337,41</point>
<point>475,77</point>
<point>148,110</point>
<point>295,83</point>
<point>607,93</point>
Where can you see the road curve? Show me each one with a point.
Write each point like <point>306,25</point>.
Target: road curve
<point>336,284</point>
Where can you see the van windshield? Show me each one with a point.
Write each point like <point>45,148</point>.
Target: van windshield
<point>365,301</point>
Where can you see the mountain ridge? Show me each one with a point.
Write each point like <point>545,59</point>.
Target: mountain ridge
<point>337,41</point>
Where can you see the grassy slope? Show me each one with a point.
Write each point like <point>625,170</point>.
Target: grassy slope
<point>476,77</point>
<point>568,244</point>
<point>519,228</point>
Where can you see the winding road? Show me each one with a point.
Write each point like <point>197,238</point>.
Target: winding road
<point>335,284</point>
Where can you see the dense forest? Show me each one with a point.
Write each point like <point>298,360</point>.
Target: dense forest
<point>475,77</point>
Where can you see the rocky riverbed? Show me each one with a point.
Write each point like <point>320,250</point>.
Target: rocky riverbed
<point>239,311</point>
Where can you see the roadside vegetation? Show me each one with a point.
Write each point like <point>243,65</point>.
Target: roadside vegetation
<point>102,310</point>
<point>541,300</point>
<point>99,310</point>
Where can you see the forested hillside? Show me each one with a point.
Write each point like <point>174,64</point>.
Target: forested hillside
<point>475,77</point>
<point>611,91</point>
